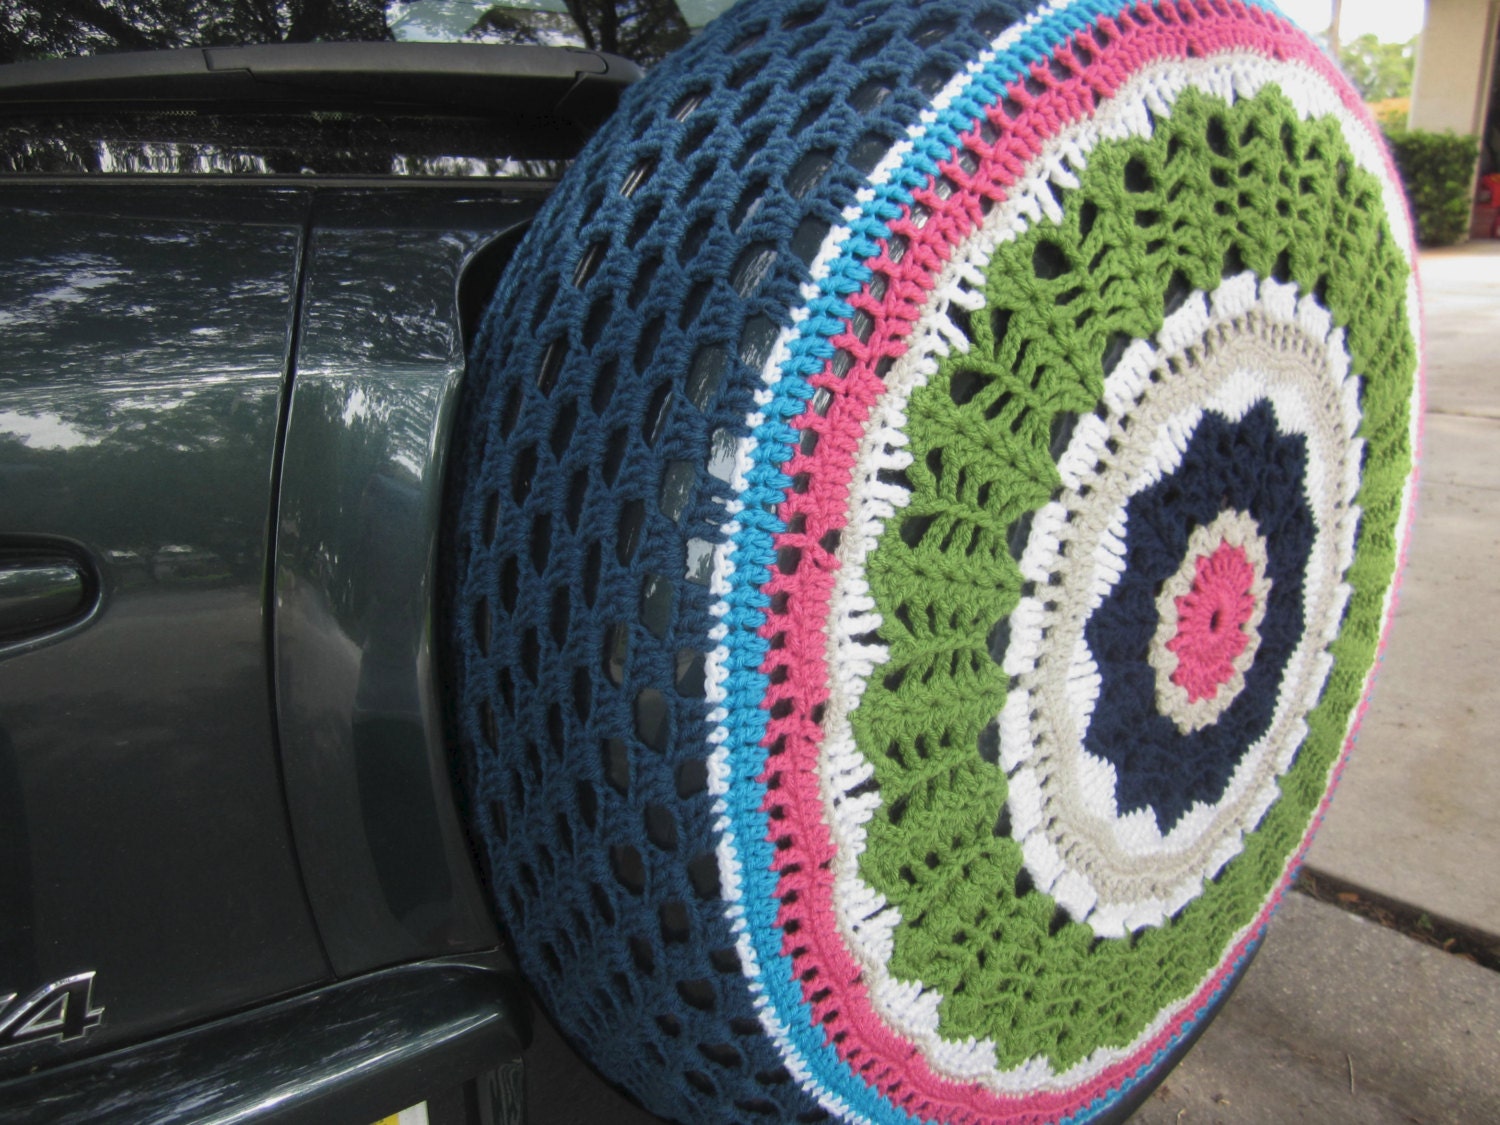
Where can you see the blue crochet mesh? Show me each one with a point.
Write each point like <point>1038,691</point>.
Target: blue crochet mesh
<point>609,382</point>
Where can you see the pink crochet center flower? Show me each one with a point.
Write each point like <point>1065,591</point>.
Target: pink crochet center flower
<point>1211,621</point>
<point>832,979</point>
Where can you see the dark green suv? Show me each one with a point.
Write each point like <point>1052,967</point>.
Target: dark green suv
<point>851,572</point>
<point>236,289</point>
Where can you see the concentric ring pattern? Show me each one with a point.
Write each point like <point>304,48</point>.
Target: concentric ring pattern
<point>926,536</point>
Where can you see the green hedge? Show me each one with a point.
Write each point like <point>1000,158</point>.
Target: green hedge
<point>1438,171</point>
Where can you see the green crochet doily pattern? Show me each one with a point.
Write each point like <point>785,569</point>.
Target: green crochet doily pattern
<point>1219,189</point>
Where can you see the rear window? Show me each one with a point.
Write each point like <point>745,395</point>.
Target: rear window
<point>214,138</point>
<point>325,143</point>
<point>642,30</point>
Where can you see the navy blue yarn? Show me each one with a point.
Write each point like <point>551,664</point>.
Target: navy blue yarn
<point>1247,466</point>
<point>549,465</point>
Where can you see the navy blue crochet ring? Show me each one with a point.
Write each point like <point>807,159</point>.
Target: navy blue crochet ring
<point>930,492</point>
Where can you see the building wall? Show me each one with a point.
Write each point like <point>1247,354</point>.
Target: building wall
<point>1454,65</point>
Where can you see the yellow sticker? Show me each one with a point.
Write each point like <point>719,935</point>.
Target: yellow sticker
<point>414,1115</point>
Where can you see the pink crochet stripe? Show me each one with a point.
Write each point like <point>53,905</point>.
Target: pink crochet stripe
<point>833,985</point>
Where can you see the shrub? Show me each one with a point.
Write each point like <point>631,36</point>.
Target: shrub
<point>1438,172</point>
<point>1391,113</point>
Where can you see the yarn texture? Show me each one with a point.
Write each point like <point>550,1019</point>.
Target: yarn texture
<point>930,499</point>
<point>1210,612</point>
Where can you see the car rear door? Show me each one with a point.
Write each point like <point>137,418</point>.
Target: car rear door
<point>147,332</point>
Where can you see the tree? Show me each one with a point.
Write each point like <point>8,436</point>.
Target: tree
<point>39,29</point>
<point>1379,70</point>
<point>643,30</point>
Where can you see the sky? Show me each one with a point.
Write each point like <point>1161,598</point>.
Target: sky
<point>1391,21</point>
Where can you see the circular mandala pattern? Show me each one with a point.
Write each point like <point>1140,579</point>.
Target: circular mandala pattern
<point>1124,811</point>
<point>1210,613</point>
<point>932,496</point>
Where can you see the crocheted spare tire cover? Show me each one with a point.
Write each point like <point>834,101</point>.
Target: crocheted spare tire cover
<point>931,493</point>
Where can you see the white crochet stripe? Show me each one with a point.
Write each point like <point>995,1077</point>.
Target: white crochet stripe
<point>1062,798</point>
<point>716,673</point>
<point>865,918</point>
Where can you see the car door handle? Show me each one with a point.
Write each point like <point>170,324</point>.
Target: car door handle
<point>40,592</point>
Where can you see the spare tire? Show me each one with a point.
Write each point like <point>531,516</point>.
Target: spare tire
<point>930,497</point>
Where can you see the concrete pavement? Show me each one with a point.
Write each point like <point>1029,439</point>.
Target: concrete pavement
<point>1415,817</point>
<point>1341,1022</point>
